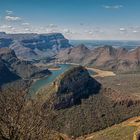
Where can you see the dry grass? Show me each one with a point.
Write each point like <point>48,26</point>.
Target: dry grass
<point>123,131</point>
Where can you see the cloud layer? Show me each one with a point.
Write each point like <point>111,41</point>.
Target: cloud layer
<point>11,23</point>
<point>12,18</point>
<point>112,6</point>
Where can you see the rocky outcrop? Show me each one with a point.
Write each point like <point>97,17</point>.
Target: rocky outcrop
<point>73,86</point>
<point>23,69</point>
<point>22,52</point>
<point>8,55</point>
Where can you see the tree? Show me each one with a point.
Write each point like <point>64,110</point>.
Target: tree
<point>24,118</point>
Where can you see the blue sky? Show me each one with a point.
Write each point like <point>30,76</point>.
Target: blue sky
<point>76,19</point>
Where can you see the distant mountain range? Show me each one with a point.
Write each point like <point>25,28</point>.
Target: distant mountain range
<point>55,46</point>
<point>106,57</point>
<point>128,44</point>
<point>34,46</point>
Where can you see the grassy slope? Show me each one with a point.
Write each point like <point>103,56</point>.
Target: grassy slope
<point>115,133</point>
<point>123,131</point>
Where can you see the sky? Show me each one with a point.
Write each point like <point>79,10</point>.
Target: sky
<point>76,19</point>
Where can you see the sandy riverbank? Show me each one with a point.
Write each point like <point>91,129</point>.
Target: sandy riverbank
<point>101,73</point>
<point>53,69</point>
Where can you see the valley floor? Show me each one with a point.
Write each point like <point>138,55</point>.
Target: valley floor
<point>124,83</point>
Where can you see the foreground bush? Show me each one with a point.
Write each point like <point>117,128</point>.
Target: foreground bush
<point>23,118</point>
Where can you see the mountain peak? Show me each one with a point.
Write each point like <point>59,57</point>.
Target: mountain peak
<point>82,47</point>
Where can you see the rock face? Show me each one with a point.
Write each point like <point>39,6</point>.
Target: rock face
<point>6,75</point>
<point>23,52</point>
<point>8,55</point>
<point>25,45</point>
<point>106,57</point>
<point>53,41</point>
<point>22,69</point>
<point>73,86</point>
<point>74,55</point>
<point>81,54</point>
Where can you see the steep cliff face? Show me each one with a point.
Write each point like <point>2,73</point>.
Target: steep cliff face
<point>23,52</point>
<point>8,55</point>
<point>6,75</point>
<point>29,43</point>
<point>23,69</point>
<point>46,41</point>
<point>73,86</point>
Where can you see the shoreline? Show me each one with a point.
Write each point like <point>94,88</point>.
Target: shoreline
<point>54,69</point>
<point>101,73</point>
<point>98,72</point>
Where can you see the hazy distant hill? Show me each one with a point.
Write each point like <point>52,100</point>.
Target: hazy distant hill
<point>106,57</point>
<point>128,44</point>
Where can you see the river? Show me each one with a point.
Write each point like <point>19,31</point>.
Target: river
<point>47,80</point>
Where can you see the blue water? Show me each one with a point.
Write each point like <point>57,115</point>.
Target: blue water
<point>47,80</point>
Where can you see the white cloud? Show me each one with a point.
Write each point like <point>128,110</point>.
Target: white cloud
<point>122,29</point>
<point>66,31</point>
<point>27,29</point>
<point>25,24</point>
<point>135,31</point>
<point>112,6</point>
<point>5,26</point>
<point>12,18</point>
<point>90,32</point>
<point>9,12</point>
<point>52,26</point>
